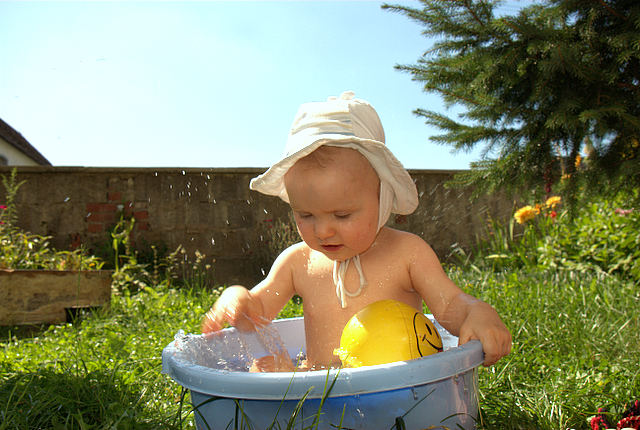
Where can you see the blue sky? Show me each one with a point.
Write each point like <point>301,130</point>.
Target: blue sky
<point>204,83</point>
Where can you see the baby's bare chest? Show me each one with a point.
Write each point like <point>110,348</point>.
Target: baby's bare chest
<point>316,282</point>
<point>324,316</point>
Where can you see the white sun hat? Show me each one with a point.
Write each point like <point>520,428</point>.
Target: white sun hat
<point>344,122</point>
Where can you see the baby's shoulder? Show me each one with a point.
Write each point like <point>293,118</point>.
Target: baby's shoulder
<point>399,239</point>
<point>410,248</point>
<point>404,246</point>
<point>294,254</point>
<point>286,262</point>
<point>293,250</point>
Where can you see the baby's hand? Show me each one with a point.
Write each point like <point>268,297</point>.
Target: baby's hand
<point>484,324</point>
<point>272,363</point>
<point>237,307</point>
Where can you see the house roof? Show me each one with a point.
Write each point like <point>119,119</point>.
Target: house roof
<point>15,139</point>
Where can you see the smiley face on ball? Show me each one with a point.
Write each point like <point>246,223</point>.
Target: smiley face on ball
<point>427,338</point>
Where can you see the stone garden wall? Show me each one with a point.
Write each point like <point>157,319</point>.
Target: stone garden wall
<point>213,211</point>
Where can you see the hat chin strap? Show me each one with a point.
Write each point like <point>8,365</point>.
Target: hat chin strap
<point>339,272</point>
<point>340,267</point>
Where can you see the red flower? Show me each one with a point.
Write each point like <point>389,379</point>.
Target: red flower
<point>599,420</point>
<point>629,422</point>
<point>553,214</point>
<point>632,410</point>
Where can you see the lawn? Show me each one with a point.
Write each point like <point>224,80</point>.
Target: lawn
<point>574,320</point>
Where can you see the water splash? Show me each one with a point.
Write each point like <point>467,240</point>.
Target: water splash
<point>230,350</point>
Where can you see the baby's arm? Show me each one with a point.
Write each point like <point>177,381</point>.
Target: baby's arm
<point>245,309</point>
<point>461,314</point>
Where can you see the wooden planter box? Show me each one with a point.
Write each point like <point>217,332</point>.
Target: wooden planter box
<point>45,296</point>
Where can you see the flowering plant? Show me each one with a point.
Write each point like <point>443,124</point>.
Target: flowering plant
<point>527,213</point>
<point>600,237</point>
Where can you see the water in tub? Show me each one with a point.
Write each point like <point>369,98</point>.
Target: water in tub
<point>239,352</point>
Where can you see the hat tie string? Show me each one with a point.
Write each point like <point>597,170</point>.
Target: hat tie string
<point>339,273</point>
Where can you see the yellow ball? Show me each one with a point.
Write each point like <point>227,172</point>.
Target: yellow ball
<point>387,331</point>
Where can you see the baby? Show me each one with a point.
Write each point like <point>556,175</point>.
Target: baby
<point>342,183</point>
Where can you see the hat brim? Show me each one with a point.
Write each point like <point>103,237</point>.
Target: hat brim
<point>386,165</point>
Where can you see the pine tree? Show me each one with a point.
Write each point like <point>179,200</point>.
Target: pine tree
<point>552,93</point>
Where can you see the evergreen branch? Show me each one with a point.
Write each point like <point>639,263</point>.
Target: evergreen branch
<point>611,10</point>
<point>475,16</point>
<point>450,94</point>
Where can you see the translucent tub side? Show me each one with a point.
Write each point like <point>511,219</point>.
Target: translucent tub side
<point>208,381</point>
<point>446,404</point>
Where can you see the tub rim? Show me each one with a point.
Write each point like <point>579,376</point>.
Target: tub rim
<point>313,384</point>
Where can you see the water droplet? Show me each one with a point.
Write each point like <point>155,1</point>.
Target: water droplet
<point>415,395</point>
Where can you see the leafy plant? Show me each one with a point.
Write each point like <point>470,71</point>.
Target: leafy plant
<point>129,275</point>
<point>600,237</point>
<point>180,269</point>
<point>176,268</point>
<point>24,250</point>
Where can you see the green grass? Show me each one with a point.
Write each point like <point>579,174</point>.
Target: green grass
<point>575,349</point>
<point>568,292</point>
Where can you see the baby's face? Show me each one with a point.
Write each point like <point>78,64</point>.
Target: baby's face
<point>335,202</point>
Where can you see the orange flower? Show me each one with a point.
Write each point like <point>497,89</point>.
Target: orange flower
<point>578,160</point>
<point>553,201</point>
<point>524,214</point>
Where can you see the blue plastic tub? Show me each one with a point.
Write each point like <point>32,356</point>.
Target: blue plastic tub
<point>438,391</point>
